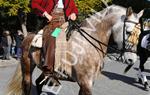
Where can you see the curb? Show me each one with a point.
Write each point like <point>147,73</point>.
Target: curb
<point>11,62</point>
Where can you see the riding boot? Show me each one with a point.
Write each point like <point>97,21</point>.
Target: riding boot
<point>48,67</point>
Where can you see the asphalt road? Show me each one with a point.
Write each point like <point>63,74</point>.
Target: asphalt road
<point>7,69</point>
<point>112,81</point>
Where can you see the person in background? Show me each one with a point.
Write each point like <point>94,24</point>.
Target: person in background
<point>6,44</point>
<point>18,37</point>
<point>13,47</point>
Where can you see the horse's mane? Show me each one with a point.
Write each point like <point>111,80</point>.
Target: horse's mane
<point>110,10</point>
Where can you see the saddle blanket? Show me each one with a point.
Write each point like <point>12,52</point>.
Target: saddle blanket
<point>145,41</point>
<point>37,40</point>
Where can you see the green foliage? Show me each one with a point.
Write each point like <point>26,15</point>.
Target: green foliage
<point>87,6</point>
<point>12,7</point>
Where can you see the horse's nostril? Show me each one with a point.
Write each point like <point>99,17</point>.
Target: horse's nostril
<point>130,60</point>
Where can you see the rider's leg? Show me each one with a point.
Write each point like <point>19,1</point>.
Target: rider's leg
<point>48,66</point>
<point>57,21</point>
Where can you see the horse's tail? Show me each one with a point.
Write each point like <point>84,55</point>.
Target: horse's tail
<point>15,85</point>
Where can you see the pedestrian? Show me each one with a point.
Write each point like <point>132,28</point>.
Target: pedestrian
<point>6,44</point>
<point>18,37</point>
<point>13,47</point>
<point>54,12</point>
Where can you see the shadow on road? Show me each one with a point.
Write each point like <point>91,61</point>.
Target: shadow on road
<point>146,70</point>
<point>123,78</point>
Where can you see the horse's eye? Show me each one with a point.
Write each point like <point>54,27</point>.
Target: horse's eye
<point>128,32</point>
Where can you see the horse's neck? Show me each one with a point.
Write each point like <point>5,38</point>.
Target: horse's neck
<point>105,27</point>
<point>116,9</point>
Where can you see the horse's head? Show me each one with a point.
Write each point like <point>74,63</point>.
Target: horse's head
<point>130,45</point>
<point>123,30</point>
<point>131,33</point>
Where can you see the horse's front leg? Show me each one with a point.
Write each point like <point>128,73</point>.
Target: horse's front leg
<point>85,86</point>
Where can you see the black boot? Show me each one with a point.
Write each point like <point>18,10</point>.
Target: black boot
<point>47,71</point>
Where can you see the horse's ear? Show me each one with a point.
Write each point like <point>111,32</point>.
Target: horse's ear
<point>140,13</point>
<point>129,11</point>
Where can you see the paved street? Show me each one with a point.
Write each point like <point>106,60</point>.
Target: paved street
<point>111,82</point>
<point>7,68</point>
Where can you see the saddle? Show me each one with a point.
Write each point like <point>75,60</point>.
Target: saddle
<point>38,38</point>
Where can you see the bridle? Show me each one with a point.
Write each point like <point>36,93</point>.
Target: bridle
<point>83,33</point>
<point>128,45</point>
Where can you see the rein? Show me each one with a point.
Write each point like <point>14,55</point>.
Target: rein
<point>130,21</point>
<point>83,33</point>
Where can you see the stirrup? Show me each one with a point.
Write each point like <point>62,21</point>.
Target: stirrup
<point>57,83</point>
<point>46,77</point>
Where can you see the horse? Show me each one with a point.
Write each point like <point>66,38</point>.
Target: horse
<point>82,58</point>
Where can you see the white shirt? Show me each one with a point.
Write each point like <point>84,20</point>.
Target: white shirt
<point>60,4</point>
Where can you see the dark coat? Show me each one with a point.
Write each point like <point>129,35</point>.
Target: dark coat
<point>18,39</point>
<point>4,41</point>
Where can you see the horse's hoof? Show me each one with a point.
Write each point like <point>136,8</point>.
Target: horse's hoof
<point>146,86</point>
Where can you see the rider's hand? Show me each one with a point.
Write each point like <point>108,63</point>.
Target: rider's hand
<point>48,16</point>
<point>72,16</point>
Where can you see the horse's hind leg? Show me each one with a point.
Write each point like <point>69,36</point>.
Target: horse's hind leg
<point>26,77</point>
<point>28,64</point>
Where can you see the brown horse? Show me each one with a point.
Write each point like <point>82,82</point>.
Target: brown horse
<point>78,59</point>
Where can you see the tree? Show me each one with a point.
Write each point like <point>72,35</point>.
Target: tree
<point>87,7</point>
<point>18,8</point>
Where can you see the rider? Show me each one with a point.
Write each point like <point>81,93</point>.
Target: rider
<point>55,12</point>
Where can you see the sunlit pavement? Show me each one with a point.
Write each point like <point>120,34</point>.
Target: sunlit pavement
<point>7,68</point>
<point>112,81</point>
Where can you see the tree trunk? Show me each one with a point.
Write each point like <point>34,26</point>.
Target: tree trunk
<point>23,20</point>
<point>24,29</point>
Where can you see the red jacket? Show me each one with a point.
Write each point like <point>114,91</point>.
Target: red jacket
<point>40,6</point>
